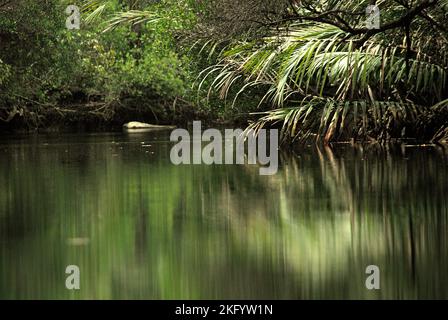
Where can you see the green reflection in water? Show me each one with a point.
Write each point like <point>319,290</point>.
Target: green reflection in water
<point>139,227</point>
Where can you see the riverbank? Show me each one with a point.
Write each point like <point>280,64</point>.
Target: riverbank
<point>316,81</point>
<point>95,117</point>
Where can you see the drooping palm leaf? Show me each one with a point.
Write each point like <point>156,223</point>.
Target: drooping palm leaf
<point>132,17</point>
<point>330,119</point>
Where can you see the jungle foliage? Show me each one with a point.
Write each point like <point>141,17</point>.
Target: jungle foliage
<point>327,76</point>
<point>102,71</point>
<point>311,67</point>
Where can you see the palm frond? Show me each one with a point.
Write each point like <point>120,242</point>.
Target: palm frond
<point>132,17</point>
<point>315,59</point>
<point>329,119</point>
<point>93,9</point>
<point>95,14</point>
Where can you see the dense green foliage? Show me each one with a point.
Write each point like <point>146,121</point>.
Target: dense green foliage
<point>330,77</point>
<point>48,69</point>
<point>313,67</point>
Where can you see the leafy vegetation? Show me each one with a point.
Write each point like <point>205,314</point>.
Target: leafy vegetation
<point>57,73</point>
<point>311,67</point>
<point>330,77</point>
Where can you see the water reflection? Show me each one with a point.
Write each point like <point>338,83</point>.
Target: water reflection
<point>139,227</point>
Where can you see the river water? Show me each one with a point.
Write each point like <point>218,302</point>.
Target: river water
<point>139,227</point>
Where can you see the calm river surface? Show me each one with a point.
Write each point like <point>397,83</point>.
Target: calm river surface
<point>139,227</point>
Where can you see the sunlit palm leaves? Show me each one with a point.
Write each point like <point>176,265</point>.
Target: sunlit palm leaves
<point>338,81</point>
<point>93,9</point>
<point>132,17</point>
<point>314,60</point>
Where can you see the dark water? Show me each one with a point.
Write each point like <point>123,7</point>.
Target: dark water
<point>139,227</point>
